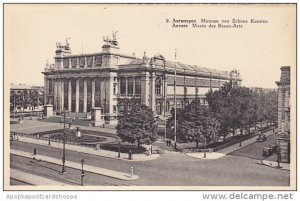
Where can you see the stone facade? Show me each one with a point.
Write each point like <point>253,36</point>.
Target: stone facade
<point>284,113</point>
<point>114,81</point>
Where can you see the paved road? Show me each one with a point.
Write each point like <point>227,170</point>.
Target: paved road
<point>171,169</point>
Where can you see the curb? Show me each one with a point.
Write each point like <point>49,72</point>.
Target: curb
<point>104,156</point>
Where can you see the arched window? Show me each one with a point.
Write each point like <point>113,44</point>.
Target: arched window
<point>158,86</point>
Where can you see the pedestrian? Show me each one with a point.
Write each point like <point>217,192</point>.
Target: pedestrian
<point>34,153</point>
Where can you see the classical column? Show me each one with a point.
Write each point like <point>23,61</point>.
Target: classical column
<point>118,86</point>
<point>85,95</point>
<point>165,93</point>
<point>55,93</point>
<point>59,95</point>
<point>77,62</point>
<point>152,96</point>
<point>280,108</point>
<point>133,90</point>
<point>70,95</point>
<point>93,63</point>
<point>77,96</point>
<point>46,89</point>
<point>85,62</point>
<point>286,109</point>
<point>93,92</point>
<point>126,86</point>
<point>62,85</point>
<point>145,89</point>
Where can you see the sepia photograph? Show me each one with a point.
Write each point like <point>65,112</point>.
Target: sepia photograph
<point>149,96</point>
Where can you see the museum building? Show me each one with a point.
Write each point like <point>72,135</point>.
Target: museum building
<point>114,81</point>
<point>284,107</point>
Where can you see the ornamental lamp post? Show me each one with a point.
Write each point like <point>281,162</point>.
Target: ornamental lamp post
<point>82,171</point>
<point>64,145</point>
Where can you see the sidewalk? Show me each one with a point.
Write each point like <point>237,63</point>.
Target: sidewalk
<point>88,150</point>
<point>209,155</point>
<point>33,179</point>
<point>273,164</point>
<point>87,168</point>
<point>223,152</point>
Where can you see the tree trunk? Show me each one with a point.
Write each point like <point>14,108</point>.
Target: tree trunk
<point>233,130</point>
<point>138,144</point>
<point>197,144</point>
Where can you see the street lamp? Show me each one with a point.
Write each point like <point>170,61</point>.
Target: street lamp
<point>204,148</point>
<point>82,172</point>
<point>64,145</point>
<point>119,153</point>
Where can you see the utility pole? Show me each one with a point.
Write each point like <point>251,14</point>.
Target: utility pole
<point>14,104</point>
<point>64,145</point>
<point>175,108</point>
<point>165,93</point>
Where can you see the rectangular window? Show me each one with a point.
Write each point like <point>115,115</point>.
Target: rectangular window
<point>98,61</point>
<point>123,86</point>
<point>66,62</point>
<point>89,62</point>
<point>73,62</point>
<point>50,89</point>
<point>81,62</point>
<point>130,86</point>
<point>115,89</point>
<point>137,86</point>
<point>114,109</point>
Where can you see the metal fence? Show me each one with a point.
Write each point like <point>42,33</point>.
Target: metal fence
<point>226,144</point>
<point>14,135</point>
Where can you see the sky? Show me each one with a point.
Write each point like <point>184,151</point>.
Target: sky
<point>256,50</point>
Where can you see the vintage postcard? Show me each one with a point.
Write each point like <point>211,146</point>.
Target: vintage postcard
<point>149,97</point>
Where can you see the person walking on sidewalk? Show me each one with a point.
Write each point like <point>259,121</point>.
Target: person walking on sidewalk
<point>34,153</point>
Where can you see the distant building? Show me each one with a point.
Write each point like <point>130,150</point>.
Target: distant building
<point>25,98</point>
<point>284,113</point>
<point>114,81</point>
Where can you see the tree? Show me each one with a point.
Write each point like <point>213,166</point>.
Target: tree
<point>138,126</point>
<point>234,106</point>
<point>223,106</point>
<point>198,124</point>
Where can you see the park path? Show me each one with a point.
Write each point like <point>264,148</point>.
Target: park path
<point>87,168</point>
